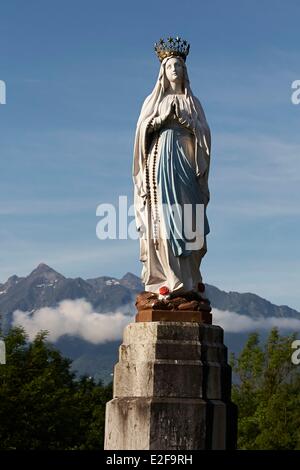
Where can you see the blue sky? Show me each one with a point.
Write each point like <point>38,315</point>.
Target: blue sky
<point>77,73</point>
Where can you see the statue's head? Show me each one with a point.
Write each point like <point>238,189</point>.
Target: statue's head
<point>172,54</point>
<point>174,69</point>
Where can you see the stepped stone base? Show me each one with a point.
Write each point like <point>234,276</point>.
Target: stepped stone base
<point>171,389</point>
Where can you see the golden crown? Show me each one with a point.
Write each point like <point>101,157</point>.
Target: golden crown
<point>172,47</point>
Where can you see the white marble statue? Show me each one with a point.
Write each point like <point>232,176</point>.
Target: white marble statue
<point>170,169</point>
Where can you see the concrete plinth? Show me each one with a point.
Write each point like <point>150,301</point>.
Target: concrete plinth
<point>171,389</point>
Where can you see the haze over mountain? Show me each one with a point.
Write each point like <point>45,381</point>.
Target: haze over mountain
<point>45,287</point>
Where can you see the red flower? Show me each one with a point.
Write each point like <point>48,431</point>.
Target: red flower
<point>164,290</point>
<point>201,287</point>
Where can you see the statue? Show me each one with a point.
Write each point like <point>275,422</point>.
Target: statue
<point>172,383</point>
<point>170,170</point>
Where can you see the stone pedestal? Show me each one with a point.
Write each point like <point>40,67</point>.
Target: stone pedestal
<point>171,389</point>
<point>173,316</point>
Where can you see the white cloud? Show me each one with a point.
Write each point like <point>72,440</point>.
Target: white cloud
<point>235,323</point>
<point>77,318</point>
<point>74,318</point>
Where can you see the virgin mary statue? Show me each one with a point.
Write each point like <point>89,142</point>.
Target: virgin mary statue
<point>170,173</point>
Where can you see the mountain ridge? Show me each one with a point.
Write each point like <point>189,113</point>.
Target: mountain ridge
<point>45,287</point>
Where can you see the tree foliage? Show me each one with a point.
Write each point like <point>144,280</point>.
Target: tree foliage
<point>42,405</point>
<point>267,393</point>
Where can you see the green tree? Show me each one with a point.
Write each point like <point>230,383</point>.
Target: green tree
<point>267,393</point>
<point>42,405</point>
<point>92,399</point>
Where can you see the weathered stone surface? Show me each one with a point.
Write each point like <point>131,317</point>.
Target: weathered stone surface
<point>216,381</point>
<point>155,424</point>
<point>216,419</point>
<point>162,378</point>
<point>177,424</point>
<point>171,389</point>
<point>169,424</point>
<point>151,332</point>
<point>127,424</point>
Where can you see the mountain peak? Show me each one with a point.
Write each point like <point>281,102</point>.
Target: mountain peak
<point>43,266</point>
<point>12,281</point>
<point>13,278</point>
<point>129,275</point>
<point>44,270</point>
<point>132,282</point>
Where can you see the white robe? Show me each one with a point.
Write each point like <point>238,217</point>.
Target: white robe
<point>161,267</point>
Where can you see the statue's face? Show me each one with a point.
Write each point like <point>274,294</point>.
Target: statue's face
<point>174,69</point>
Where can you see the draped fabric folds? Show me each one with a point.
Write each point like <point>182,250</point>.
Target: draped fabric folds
<point>179,169</point>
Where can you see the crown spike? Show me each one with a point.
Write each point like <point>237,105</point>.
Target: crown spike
<point>172,47</point>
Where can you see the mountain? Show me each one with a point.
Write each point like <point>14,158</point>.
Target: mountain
<point>45,287</point>
<point>248,304</point>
